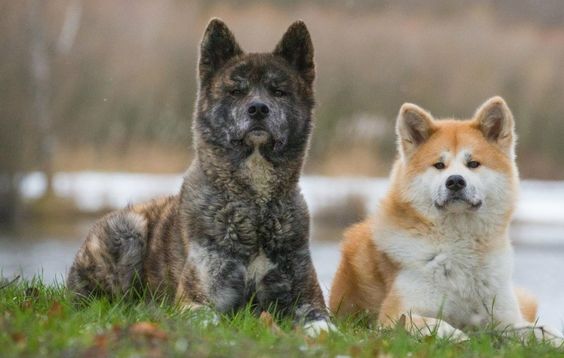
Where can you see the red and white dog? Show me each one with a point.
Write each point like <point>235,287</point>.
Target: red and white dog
<point>437,250</point>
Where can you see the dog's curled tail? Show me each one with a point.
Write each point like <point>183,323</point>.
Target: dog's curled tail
<point>527,304</point>
<point>111,258</point>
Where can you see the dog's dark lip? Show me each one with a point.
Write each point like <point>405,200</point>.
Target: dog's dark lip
<point>473,205</point>
<point>256,127</point>
<point>477,205</point>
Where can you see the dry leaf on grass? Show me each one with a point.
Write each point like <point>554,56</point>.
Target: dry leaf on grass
<point>95,352</point>
<point>55,310</point>
<point>148,330</point>
<point>401,322</point>
<point>268,321</point>
<point>25,305</point>
<point>355,351</point>
<point>18,337</point>
<point>101,341</point>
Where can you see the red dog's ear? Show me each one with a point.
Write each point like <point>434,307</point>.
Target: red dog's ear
<point>495,121</point>
<point>217,47</point>
<point>413,127</point>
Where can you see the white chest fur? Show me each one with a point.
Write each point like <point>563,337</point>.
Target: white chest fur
<point>259,267</point>
<point>449,277</point>
<point>260,173</point>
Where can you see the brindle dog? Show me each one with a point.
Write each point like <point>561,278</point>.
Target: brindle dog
<point>238,231</point>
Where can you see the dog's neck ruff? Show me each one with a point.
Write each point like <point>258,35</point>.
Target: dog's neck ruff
<point>255,176</point>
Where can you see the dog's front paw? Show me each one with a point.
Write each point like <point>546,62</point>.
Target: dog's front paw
<point>541,333</point>
<point>444,330</point>
<point>428,326</point>
<point>453,334</point>
<point>315,328</point>
<point>203,316</point>
<point>207,317</point>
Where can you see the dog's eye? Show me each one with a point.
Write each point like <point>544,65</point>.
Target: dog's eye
<point>439,165</point>
<point>236,92</point>
<point>278,93</point>
<point>473,164</point>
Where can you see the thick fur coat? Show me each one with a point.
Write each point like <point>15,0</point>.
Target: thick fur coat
<point>238,231</point>
<point>437,252</point>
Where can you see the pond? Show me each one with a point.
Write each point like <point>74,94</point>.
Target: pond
<point>48,250</point>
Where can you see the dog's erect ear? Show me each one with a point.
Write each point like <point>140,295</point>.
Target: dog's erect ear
<point>296,48</point>
<point>413,127</point>
<point>217,47</point>
<point>495,121</point>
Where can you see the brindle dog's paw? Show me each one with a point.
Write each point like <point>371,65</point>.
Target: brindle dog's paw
<point>315,328</point>
<point>203,316</point>
<point>211,321</point>
<point>207,317</point>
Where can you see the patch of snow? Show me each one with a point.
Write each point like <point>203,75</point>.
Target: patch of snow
<point>541,202</point>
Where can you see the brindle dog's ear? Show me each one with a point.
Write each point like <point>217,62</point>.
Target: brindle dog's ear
<point>217,47</point>
<point>296,48</point>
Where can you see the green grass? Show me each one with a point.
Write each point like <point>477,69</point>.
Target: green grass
<point>40,320</point>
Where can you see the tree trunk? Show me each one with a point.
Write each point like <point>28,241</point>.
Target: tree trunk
<point>41,73</point>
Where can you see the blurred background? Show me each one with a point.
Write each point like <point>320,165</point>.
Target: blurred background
<point>96,99</point>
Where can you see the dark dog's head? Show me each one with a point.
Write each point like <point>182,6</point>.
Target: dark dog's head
<point>257,101</point>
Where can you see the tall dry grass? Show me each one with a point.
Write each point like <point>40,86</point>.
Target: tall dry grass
<point>128,78</point>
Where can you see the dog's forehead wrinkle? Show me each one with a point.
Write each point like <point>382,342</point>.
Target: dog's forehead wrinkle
<point>240,68</point>
<point>241,83</point>
<point>275,77</point>
<point>265,78</point>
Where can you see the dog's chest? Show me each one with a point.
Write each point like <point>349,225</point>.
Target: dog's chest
<point>248,228</point>
<point>451,278</point>
<point>258,267</point>
<point>260,174</point>
<point>241,247</point>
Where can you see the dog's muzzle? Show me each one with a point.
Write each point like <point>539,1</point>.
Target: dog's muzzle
<point>256,137</point>
<point>474,204</point>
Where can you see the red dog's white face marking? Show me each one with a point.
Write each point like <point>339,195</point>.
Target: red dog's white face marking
<point>458,166</point>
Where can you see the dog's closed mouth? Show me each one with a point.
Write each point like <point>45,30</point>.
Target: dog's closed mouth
<point>256,137</point>
<point>474,205</point>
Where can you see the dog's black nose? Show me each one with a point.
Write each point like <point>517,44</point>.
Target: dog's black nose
<point>455,183</point>
<point>258,110</point>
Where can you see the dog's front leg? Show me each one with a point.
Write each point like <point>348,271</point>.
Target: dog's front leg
<point>226,285</point>
<point>311,311</point>
<point>516,311</point>
<point>393,313</point>
<point>427,326</point>
<point>291,288</point>
<point>210,286</point>
<point>540,332</point>
<point>315,320</point>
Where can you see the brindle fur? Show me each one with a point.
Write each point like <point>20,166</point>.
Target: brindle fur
<point>238,231</point>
